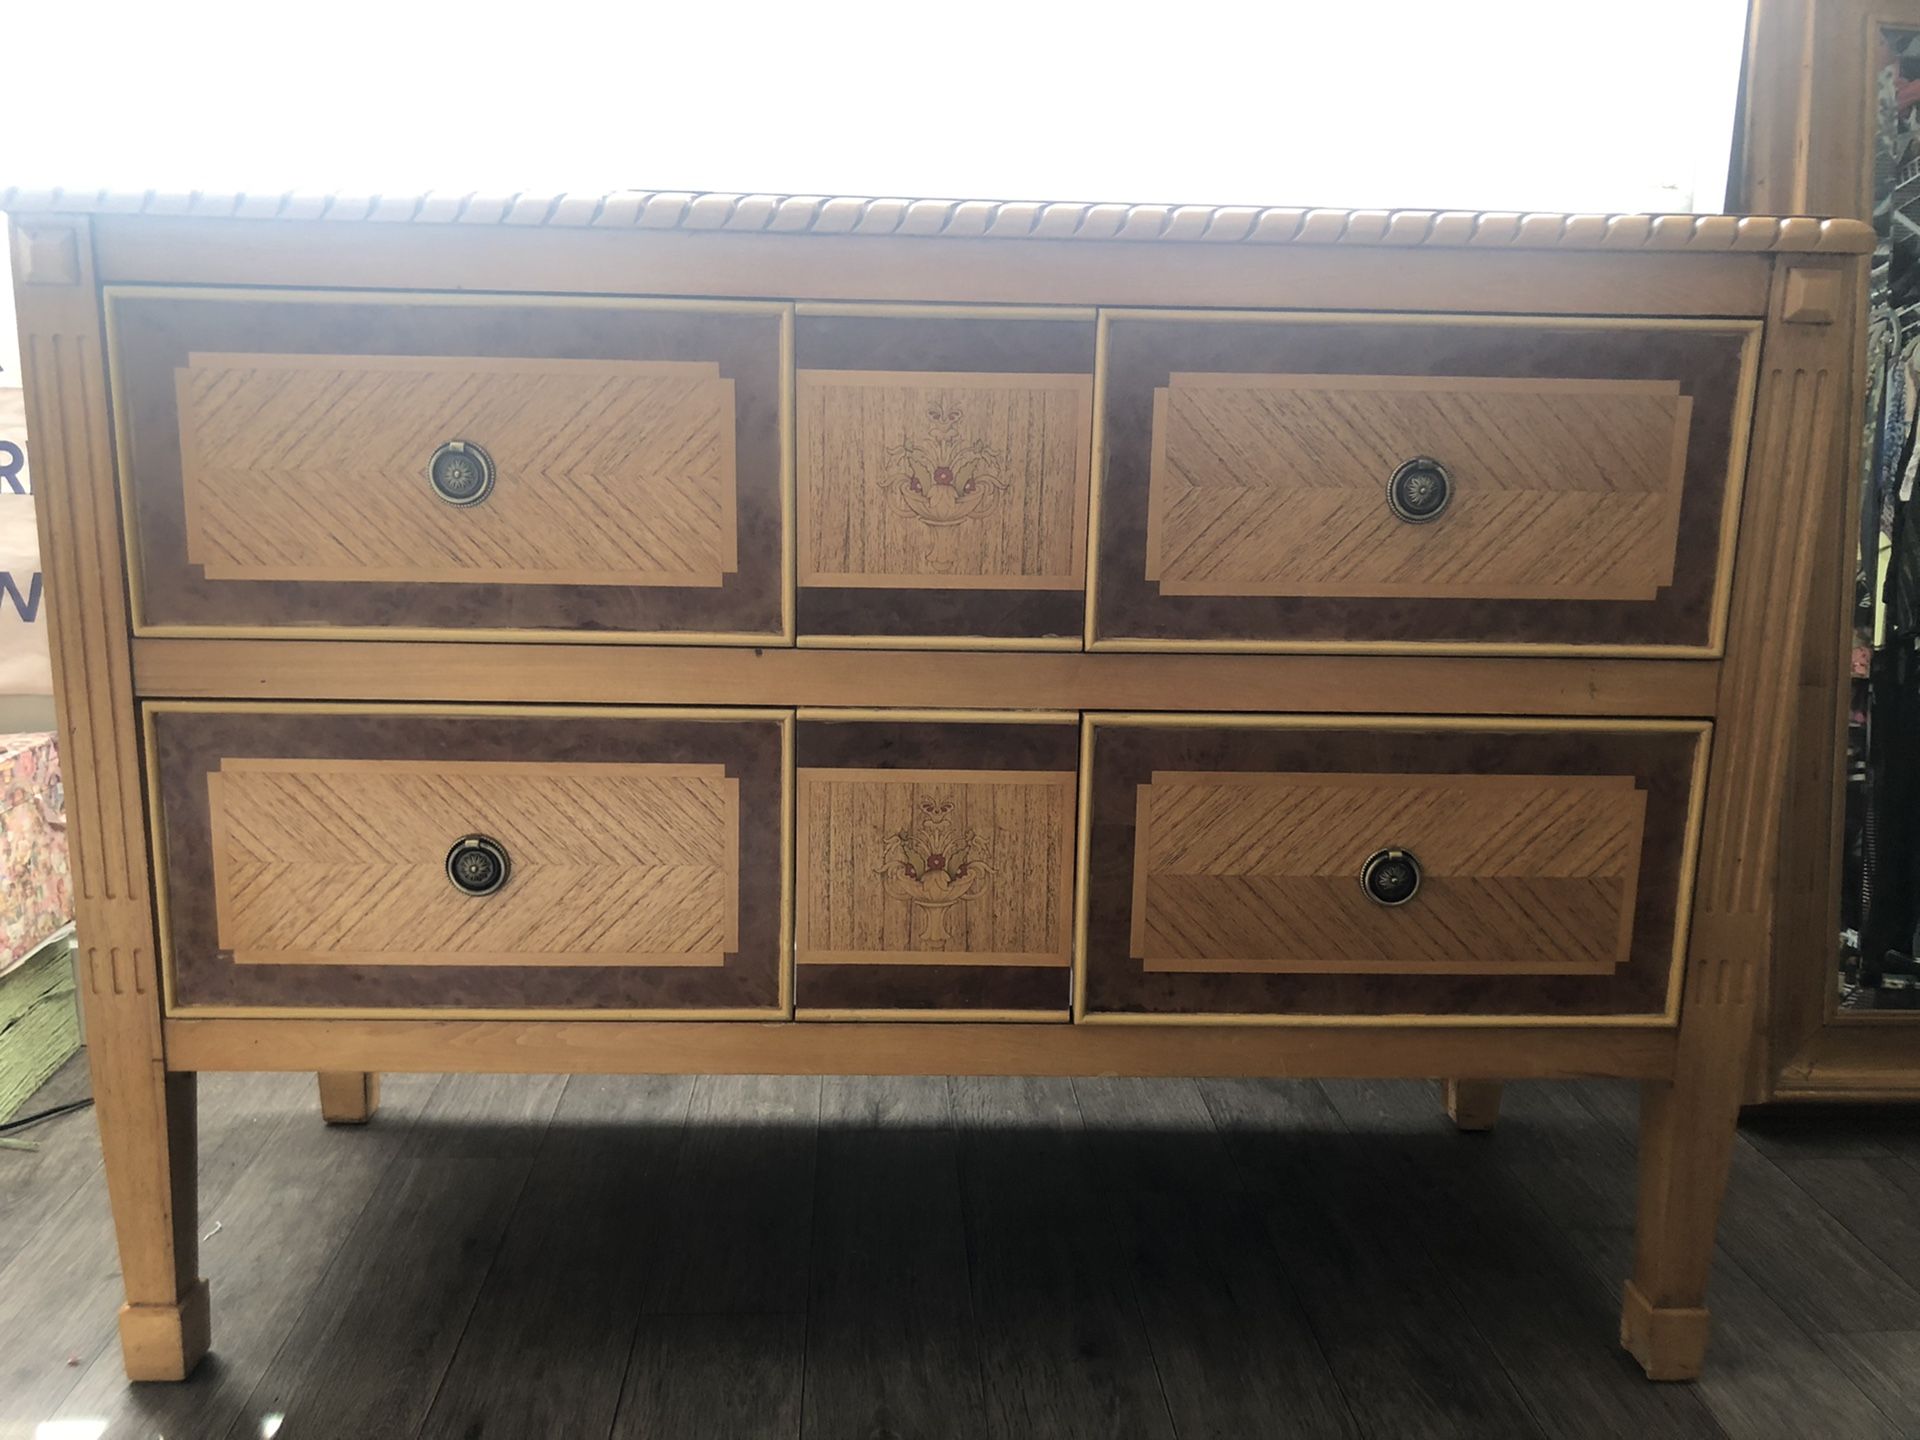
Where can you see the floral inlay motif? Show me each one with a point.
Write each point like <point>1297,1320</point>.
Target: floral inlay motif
<point>945,477</point>
<point>932,867</point>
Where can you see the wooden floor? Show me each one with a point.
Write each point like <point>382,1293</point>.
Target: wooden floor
<point>858,1259</point>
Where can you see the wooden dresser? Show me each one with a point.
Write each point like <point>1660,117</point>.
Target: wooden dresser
<point>668,632</point>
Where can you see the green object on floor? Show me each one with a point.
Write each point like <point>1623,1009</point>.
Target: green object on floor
<point>39,1021</point>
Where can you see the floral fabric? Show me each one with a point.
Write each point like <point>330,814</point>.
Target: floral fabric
<point>37,898</point>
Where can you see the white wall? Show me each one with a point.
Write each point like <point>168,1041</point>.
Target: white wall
<point>9,331</point>
<point>1505,104</point>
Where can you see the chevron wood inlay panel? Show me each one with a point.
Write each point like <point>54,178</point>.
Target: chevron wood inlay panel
<point>314,467</point>
<point>943,480</point>
<point>934,867</point>
<point>1276,485</point>
<point>1522,874</point>
<point>343,862</point>
<point>1242,498</point>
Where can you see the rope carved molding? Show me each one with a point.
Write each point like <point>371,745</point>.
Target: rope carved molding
<point>985,219</point>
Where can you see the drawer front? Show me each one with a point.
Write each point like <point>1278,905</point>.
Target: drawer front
<point>1296,481</point>
<point>1450,870</point>
<point>389,859</point>
<point>606,472</point>
<point>934,863</point>
<point>943,460</point>
<point>485,464</point>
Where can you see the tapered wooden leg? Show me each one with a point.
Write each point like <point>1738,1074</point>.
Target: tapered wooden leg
<point>146,1115</point>
<point>348,1097</point>
<point>1686,1144</point>
<point>1472,1105</point>
<point>149,1143</point>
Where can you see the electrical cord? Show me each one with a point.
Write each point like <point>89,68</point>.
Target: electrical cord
<point>34,1119</point>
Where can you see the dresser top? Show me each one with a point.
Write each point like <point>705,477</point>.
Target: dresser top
<point>984,219</point>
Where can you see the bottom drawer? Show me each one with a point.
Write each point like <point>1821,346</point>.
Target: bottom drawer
<point>1456,870</point>
<point>389,859</point>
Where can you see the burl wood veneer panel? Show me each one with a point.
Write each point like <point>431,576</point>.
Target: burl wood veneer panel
<point>1246,461</point>
<point>943,464</point>
<point>1272,485</point>
<point>1224,867</point>
<point>934,864</point>
<point>1523,874</point>
<point>303,857</point>
<point>343,862</point>
<point>275,450</point>
<point>608,472</point>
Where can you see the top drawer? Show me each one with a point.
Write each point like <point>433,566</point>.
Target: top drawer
<point>1281,482</point>
<point>443,462</point>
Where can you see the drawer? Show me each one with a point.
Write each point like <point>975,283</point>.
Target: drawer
<point>394,859</point>
<point>1276,481</point>
<point>943,459</point>
<point>1455,870</point>
<point>934,864</point>
<point>468,464</point>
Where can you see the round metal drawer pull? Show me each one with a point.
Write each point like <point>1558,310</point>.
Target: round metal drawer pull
<point>1419,490</point>
<point>1390,877</point>
<point>461,473</point>
<point>478,865</point>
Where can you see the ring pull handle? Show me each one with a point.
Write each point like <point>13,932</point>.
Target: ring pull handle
<point>478,865</point>
<point>1419,490</point>
<point>461,473</point>
<point>1390,877</point>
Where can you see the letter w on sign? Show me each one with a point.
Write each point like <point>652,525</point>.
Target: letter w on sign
<point>26,607</point>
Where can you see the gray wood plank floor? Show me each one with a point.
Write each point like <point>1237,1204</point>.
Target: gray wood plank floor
<point>497,1258</point>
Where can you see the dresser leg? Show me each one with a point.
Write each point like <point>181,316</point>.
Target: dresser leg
<point>1472,1105</point>
<point>1686,1145</point>
<point>149,1142</point>
<point>348,1097</point>
<point>145,1113</point>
